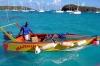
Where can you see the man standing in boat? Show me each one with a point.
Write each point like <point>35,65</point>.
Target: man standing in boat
<point>25,31</point>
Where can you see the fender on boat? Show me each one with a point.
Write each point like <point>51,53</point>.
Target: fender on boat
<point>37,50</point>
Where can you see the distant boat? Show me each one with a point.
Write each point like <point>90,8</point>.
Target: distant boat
<point>77,11</point>
<point>25,10</point>
<point>41,10</point>
<point>97,11</point>
<point>59,11</point>
<point>14,10</point>
<point>41,7</point>
<point>14,7</point>
<point>31,10</point>
<point>47,10</point>
<point>23,7</point>
<point>69,11</point>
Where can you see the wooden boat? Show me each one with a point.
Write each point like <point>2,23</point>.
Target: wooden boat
<point>49,42</point>
<point>69,42</point>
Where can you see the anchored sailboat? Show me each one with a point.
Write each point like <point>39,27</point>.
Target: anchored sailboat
<point>15,7</point>
<point>30,2</point>
<point>41,7</point>
<point>24,8</point>
<point>59,11</point>
<point>41,10</point>
<point>97,11</point>
<point>70,9</point>
<point>77,11</point>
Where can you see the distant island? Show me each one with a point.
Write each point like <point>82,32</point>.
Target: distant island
<point>14,8</point>
<point>81,8</point>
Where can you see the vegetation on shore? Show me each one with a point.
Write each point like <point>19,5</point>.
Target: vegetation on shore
<point>14,8</point>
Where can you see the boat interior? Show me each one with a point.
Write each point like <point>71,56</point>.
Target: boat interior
<point>48,38</point>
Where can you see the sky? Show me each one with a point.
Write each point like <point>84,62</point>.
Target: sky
<point>49,4</point>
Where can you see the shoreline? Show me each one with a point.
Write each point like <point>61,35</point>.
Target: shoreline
<point>70,7</point>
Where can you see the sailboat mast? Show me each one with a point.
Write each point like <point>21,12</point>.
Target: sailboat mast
<point>60,6</point>
<point>78,5</point>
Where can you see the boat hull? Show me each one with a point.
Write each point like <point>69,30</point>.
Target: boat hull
<point>58,46</point>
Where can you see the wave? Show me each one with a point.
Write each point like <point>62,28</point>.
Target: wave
<point>59,59</point>
<point>75,49</point>
<point>65,59</point>
<point>1,44</point>
<point>69,57</point>
<point>5,18</point>
<point>4,59</point>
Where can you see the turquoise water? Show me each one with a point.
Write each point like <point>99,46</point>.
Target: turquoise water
<point>51,22</point>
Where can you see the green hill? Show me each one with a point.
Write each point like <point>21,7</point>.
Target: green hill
<point>14,8</point>
<point>81,8</point>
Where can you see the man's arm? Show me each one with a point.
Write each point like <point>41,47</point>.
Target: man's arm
<point>30,30</point>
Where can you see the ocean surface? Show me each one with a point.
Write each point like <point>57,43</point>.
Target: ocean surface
<point>52,22</point>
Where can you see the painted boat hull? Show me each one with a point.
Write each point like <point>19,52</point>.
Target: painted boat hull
<point>58,46</point>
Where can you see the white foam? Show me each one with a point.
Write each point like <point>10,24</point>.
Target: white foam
<point>57,59</point>
<point>75,49</point>
<point>65,59</point>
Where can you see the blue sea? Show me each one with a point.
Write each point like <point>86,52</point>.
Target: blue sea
<point>52,22</point>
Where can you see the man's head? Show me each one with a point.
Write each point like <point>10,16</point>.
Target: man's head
<point>26,24</point>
